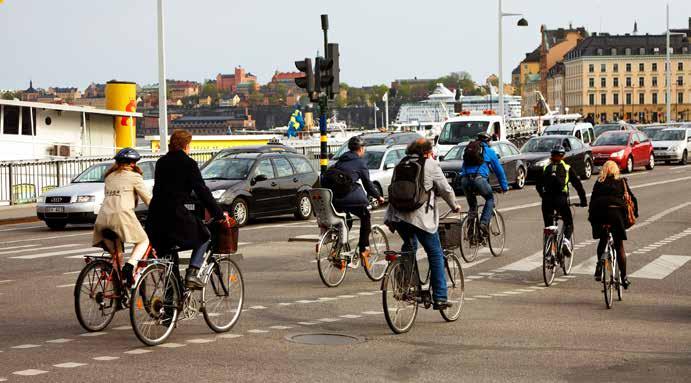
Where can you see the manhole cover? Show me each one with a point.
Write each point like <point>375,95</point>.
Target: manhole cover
<point>325,339</point>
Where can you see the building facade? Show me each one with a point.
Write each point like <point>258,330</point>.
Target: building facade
<point>555,88</point>
<point>230,82</point>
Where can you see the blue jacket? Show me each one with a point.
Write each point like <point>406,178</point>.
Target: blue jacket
<point>356,167</point>
<point>491,161</point>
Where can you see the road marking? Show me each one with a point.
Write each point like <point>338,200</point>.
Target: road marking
<point>257,307</point>
<point>138,351</point>
<point>93,334</point>
<point>7,281</point>
<point>327,299</point>
<point>105,358</point>
<point>59,340</point>
<point>304,301</point>
<point>475,263</point>
<point>72,272</point>
<point>30,372</point>
<point>257,331</point>
<point>67,285</point>
<point>513,292</point>
<point>373,312</point>
<point>69,365</point>
<point>366,293</point>
<point>230,336</point>
<point>351,316</point>
<point>498,295</point>
<point>280,327</point>
<point>661,267</point>
<point>54,253</point>
<point>486,274</point>
<point>171,345</point>
<point>285,303</point>
<point>528,263</point>
<point>560,279</point>
<point>346,296</point>
<point>39,248</point>
<point>23,346</point>
<point>16,247</point>
<point>307,323</point>
<point>329,320</point>
<point>122,328</point>
<point>483,296</point>
<point>474,277</point>
<point>468,299</point>
<point>21,228</point>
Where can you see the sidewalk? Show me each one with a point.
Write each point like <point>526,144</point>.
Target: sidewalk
<point>18,213</point>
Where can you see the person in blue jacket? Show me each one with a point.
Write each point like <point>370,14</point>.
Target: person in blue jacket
<point>296,123</point>
<point>475,180</point>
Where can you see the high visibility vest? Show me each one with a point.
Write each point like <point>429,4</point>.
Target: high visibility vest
<point>567,167</point>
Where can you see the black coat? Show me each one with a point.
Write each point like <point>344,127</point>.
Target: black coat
<point>356,167</point>
<point>169,223</point>
<point>607,207</point>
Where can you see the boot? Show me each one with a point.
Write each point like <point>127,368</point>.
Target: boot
<point>192,281</point>
<point>128,274</point>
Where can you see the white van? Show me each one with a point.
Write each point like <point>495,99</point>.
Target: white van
<point>465,128</point>
<point>581,130</point>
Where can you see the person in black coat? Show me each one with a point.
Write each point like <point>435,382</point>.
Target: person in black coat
<point>608,207</point>
<point>170,223</point>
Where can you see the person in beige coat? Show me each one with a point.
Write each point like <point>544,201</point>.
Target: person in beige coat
<point>124,185</point>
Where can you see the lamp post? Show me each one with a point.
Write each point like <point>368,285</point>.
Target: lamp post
<point>668,72</point>
<point>162,92</point>
<point>521,23</point>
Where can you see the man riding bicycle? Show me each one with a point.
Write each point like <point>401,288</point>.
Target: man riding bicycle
<point>553,187</point>
<point>478,159</point>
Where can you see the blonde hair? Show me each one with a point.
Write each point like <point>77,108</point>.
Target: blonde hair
<point>609,169</point>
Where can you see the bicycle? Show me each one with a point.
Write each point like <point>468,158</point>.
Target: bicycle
<point>403,290</point>
<point>161,299</point>
<point>333,254</point>
<point>552,250</point>
<point>472,237</point>
<point>611,277</point>
<point>100,290</point>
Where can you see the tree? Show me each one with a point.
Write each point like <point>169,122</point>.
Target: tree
<point>9,95</point>
<point>209,89</point>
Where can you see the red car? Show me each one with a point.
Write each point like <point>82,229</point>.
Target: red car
<point>627,148</point>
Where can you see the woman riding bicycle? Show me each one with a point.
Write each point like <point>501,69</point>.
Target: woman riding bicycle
<point>608,208</point>
<point>123,186</point>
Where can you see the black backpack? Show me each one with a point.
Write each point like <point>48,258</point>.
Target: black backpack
<point>340,182</point>
<point>554,178</point>
<point>474,154</point>
<point>407,190</point>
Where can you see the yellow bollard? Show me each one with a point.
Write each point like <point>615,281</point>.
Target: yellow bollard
<point>122,96</point>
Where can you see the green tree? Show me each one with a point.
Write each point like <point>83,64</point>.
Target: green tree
<point>209,89</point>
<point>9,95</point>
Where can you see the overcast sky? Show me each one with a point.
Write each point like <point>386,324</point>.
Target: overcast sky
<point>75,42</point>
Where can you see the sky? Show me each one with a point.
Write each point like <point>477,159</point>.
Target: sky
<point>76,42</point>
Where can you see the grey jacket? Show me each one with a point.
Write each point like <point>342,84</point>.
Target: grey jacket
<point>424,218</point>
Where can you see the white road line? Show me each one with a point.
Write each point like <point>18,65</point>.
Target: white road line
<point>285,303</point>
<point>122,328</point>
<point>67,285</point>
<point>346,296</point>
<point>366,293</point>
<point>39,248</point>
<point>474,277</point>
<point>16,247</point>
<point>138,351</point>
<point>329,320</point>
<point>105,358</point>
<point>7,281</point>
<point>498,295</point>
<point>229,336</point>
<point>307,323</point>
<point>171,345</point>
<point>475,263</point>
<point>54,253</point>
<point>257,331</point>
<point>59,340</point>
<point>47,238</point>
<point>528,263</point>
<point>483,296</point>
<point>281,327</point>
<point>351,316</point>
<point>258,307</point>
<point>327,299</point>
<point>513,292</point>
<point>72,272</point>
<point>468,299</point>
<point>93,334</point>
<point>373,312</point>
<point>661,267</point>
<point>305,301</point>
<point>69,365</point>
<point>21,228</point>
<point>24,346</point>
<point>30,372</point>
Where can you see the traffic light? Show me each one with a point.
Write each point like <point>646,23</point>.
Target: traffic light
<point>322,78</point>
<point>334,69</point>
<point>305,82</point>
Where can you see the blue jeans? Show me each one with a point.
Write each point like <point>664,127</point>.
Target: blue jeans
<point>411,235</point>
<point>478,185</point>
<point>198,251</point>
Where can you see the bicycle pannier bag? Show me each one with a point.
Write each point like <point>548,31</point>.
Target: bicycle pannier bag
<point>407,190</point>
<point>338,181</point>
<point>630,208</point>
<point>474,154</point>
<point>227,238</point>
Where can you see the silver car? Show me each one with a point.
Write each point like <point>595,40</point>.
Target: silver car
<point>80,201</point>
<point>672,144</point>
<point>381,160</point>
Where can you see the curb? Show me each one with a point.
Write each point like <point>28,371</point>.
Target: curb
<point>312,238</point>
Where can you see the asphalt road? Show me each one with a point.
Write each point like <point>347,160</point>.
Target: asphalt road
<point>511,327</point>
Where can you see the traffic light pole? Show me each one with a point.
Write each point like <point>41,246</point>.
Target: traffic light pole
<point>323,143</point>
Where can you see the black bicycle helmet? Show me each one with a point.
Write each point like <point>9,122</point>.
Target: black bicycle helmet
<point>355,143</point>
<point>484,136</point>
<point>127,155</point>
<point>558,150</point>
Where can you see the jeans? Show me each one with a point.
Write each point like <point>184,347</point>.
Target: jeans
<point>560,203</point>
<point>198,251</point>
<point>473,185</point>
<point>365,224</point>
<point>411,235</point>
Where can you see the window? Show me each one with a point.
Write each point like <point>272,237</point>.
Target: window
<point>628,67</point>
<point>628,81</point>
<point>680,80</point>
<point>591,99</point>
<point>615,98</point>
<point>11,121</point>
<point>615,67</point>
<point>641,81</point>
<point>603,99</point>
<point>301,165</point>
<point>654,98</point>
<point>283,168</point>
<point>628,100</point>
<point>627,51</point>
<point>680,66</point>
<point>654,67</point>
<point>265,168</point>
<point>613,51</point>
<point>603,82</point>
<point>591,68</point>
<point>147,170</point>
<point>615,82</point>
<point>680,98</point>
<point>591,82</point>
<point>641,67</point>
<point>654,80</point>
<point>603,67</point>
<point>392,158</point>
<point>641,98</point>
<point>27,116</point>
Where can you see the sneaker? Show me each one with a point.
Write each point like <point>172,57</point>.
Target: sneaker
<point>598,272</point>
<point>484,229</point>
<point>192,281</point>
<point>566,247</point>
<point>625,283</point>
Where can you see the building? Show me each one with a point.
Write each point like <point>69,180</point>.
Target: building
<point>610,77</point>
<point>214,125</point>
<point>178,90</point>
<point>66,94</point>
<point>285,78</point>
<point>229,83</point>
<point>528,67</point>
<point>555,88</point>
<point>95,91</point>
<point>31,93</point>
<point>530,100</point>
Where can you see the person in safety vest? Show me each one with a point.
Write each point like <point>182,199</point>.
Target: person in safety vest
<point>553,187</point>
<point>296,123</point>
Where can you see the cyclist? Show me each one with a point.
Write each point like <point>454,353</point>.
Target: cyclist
<point>123,186</point>
<point>421,225</point>
<point>170,223</point>
<point>553,187</point>
<point>607,207</point>
<point>355,201</point>
<point>478,159</point>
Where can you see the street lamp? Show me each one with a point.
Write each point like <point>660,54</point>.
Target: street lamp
<point>668,72</point>
<point>521,23</point>
<point>162,95</point>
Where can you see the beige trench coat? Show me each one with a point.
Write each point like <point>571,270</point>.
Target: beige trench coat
<point>117,212</point>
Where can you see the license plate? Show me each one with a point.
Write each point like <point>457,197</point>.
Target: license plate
<point>55,209</point>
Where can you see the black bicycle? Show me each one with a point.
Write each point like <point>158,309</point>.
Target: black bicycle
<point>611,276</point>
<point>472,238</point>
<point>553,254</point>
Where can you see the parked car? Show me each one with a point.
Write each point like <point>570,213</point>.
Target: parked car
<point>602,128</point>
<point>673,145</point>
<point>509,157</point>
<point>536,153</point>
<point>80,201</point>
<point>582,130</point>
<point>651,131</point>
<point>381,160</point>
<point>627,148</point>
<point>387,139</point>
<point>262,181</point>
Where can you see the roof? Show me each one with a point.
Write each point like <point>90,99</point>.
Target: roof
<point>556,69</point>
<point>532,57</point>
<point>555,36</point>
<point>70,108</point>
<point>608,45</point>
<point>286,76</point>
<point>271,148</point>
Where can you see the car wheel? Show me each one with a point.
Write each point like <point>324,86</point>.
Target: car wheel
<point>304,207</point>
<point>520,178</point>
<point>240,211</point>
<point>651,162</point>
<point>588,169</point>
<point>684,158</point>
<point>629,165</point>
<point>56,224</point>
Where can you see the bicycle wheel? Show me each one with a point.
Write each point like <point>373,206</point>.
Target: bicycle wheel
<point>332,267</point>
<point>497,234</point>
<point>470,238</point>
<point>399,298</point>
<point>568,259</point>
<point>154,308</point>
<point>607,280</point>
<point>376,264</point>
<point>549,259</point>
<point>96,296</point>
<point>617,282</point>
<point>223,295</point>
<point>456,288</point>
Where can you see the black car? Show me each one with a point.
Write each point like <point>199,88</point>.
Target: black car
<point>536,153</point>
<point>509,157</point>
<point>386,138</point>
<point>261,181</point>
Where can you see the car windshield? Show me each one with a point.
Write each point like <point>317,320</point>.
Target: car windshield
<point>540,144</point>
<point>599,129</point>
<point>652,132</point>
<point>401,139</point>
<point>461,131</point>
<point>612,140</point>
<point>669,135</point>
<point>340,151</point>
<point>374,140</point>
<point>373,159</point>
<point>95,173</point>
<point>228,169</point>
<point>557,132</point>
<point>456,153</point>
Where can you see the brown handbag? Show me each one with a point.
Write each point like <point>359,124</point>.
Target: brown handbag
<point>630,208</point>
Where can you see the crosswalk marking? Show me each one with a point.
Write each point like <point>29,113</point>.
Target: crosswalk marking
<point>38,249</point>
<point>528,263</point>
<point>661,267</point>
<point>17,247</point>
<point>55,253</point>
